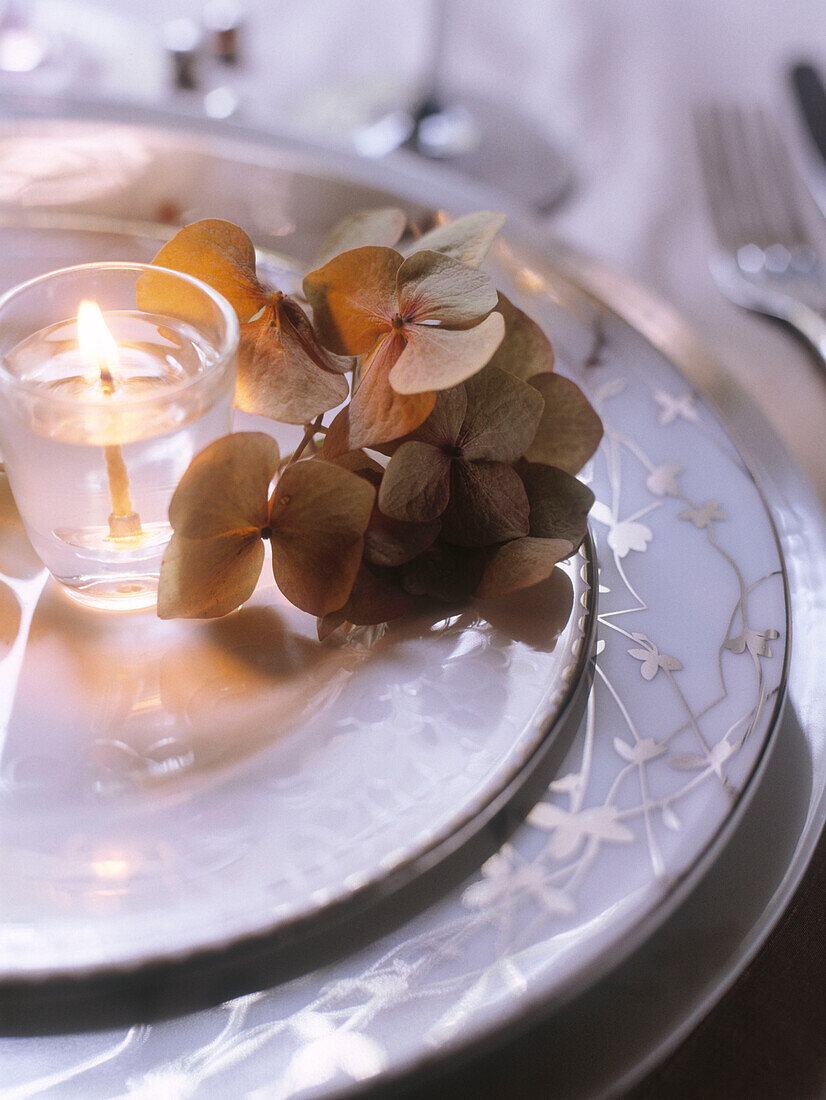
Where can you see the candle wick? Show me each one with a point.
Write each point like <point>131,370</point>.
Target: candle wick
<point>124,522</point>
<point>106,379</point>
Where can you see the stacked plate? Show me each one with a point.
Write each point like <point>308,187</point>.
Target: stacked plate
<point>416,843</point>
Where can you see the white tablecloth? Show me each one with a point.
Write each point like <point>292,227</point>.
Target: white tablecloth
<point>614,84</point>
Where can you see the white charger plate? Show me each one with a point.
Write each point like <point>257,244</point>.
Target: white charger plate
<point>687,693</point>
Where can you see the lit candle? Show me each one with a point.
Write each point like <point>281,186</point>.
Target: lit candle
<point>98,346</point>
<point>104,401</point>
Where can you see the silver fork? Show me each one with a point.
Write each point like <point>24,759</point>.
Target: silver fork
<point>767,260</point>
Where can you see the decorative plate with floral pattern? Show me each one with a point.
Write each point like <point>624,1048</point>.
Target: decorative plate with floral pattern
<point>691,663</point>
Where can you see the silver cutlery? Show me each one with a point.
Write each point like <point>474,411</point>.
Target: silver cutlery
<point>810,96</point>
<point>768,258</point>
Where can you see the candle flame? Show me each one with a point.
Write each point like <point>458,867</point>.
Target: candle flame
<point>97,344</point>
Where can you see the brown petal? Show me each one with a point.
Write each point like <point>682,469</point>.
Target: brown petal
<point>17,556</point>
<point>354,298</point>
<point>288,313</point>
<point>488,504</point>
<point>391,542</point>
<point>443,427</point>
<point>226,486</point>
<point>502,416</point>
<point>436,288</point>
<point>383,226</point>
<point>559,503</point>
<point>373,599</point>
<point>444,572</point>
<point>416,483</point>
<point>205,578</point>
<point>376,413</point>
<point>10,616</point>
<point>282,371</point>
<point>525,350</point>
<point>437,358</point>
<point>467,238</point>
<point>358,462</point>
<point>569,430</point>
<point>521,563</point>
<point>220,254</point>
<point>318,515</point>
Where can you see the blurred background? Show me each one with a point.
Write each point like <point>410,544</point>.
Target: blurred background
<point>608,87</point>
<point>577,111</point>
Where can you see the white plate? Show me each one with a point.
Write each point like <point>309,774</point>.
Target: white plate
<point>183,787</point>
<point>657,777</point>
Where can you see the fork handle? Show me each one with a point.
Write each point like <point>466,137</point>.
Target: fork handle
<point>802,318</point>
<point>810,325</point>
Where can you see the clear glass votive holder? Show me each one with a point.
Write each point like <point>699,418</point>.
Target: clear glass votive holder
<point>99,418</point>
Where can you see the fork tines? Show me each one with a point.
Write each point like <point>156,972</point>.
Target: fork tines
<point>754,194</point>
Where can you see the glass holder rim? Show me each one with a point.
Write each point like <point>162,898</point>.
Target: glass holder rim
<point>227,348</point>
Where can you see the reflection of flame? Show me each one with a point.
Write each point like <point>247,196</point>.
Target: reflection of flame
<point>97,345</point>
<point>112,867</point>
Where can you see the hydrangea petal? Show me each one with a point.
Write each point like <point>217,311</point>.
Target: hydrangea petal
<point>467,238</point>
<point>520,564</point>
<point>359,462</point>
<point>436,288</point>
<point>559,502</point>
<point>437,358</point>
<point>282,372</point>
<point>17,556</point>
<point>354,298</point>
<point>206,578</point>
<point>444,424</point>
<point>10,615</point>
<point>488,504</point>
<point>377,414</point>
<point>525,350</point>
<point>383,225</point>
<point>502,416</point>
<point>220,254</point>
<point>387,542</point>
<point>289,314</point>
<point>391,542</point>
<point>569,430</point>
<point>226,487</point>
<point>318,516</point>
<point>416,483</point>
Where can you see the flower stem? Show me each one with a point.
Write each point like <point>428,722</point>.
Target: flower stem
<point>310,432</point>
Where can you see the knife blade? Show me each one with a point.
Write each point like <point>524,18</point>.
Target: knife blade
<point>810,94</point>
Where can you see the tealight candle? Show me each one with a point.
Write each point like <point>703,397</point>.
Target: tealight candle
<point>112,377</point>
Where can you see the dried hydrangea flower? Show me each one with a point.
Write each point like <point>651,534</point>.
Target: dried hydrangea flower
<point>453,381</point>
<point>284,373</point>
<point>458,464</point>
<point>222,511</point>
<point>423,325</point>
<point>559,507</point>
